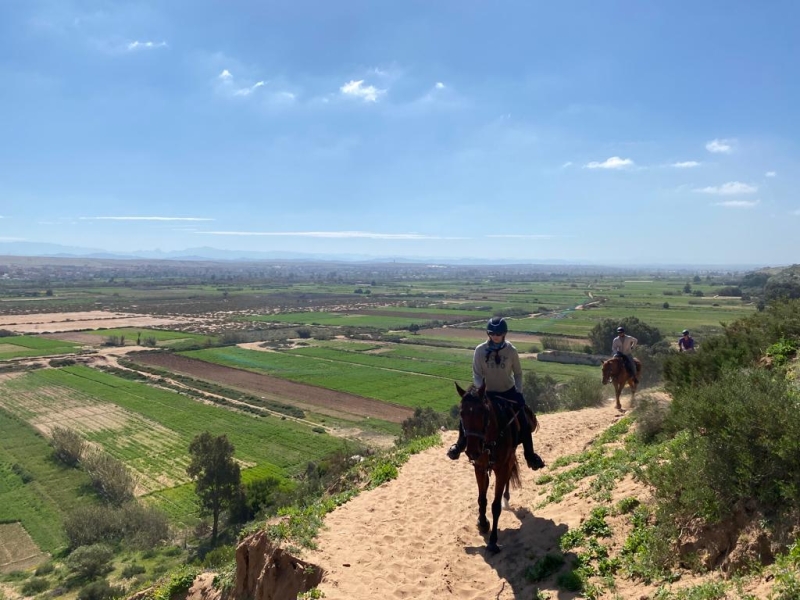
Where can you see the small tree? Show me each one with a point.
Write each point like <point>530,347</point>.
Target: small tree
<point>413,328</point>
<point>215,473</point>
<point>68,445</point>
<point>687,289</point>
<point>110,477</point>
<point>89,562</point>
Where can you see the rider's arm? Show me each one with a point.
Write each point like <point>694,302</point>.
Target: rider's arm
<point>517,368</point>
<point>616,345</point>
<point>634,341</point>
<point>477,368</point>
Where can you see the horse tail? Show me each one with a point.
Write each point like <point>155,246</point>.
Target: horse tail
<point>513,475</point>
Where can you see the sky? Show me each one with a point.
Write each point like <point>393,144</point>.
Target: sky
<point>621,132</point>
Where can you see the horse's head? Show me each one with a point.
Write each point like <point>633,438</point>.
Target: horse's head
<point>475,419</point>
<point>609,370</point>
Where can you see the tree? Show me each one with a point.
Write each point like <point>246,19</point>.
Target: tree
<point>413,328</point>
<point>604,333</point>
<point>68,445</point>
<point>687,289</point>
<point>216,475</point>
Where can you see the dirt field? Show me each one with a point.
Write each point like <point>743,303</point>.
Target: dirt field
<point>479,336</point>
<point>94,319</point>
<point>309,397</point>
<point>87,339</point>
<point>17,550</point>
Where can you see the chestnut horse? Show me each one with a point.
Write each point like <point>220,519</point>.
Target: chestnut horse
<point>491,447</point>
<point>614,371</point>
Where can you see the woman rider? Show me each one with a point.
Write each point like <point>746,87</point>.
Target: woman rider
<point>496,363</point>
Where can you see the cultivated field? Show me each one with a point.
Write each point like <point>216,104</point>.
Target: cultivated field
<point>52,322</point>
<point>17,550</point>
<point>21,346</point>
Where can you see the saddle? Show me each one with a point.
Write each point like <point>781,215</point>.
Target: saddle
<point>508,419</point>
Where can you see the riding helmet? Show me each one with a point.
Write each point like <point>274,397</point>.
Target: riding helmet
<point>497,326</point>
<point>620,329</point>
<point>685,332</point>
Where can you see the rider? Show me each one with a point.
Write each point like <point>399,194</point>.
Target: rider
<point>686,343</point>
<point>624,345</point>
<point>496,364</point>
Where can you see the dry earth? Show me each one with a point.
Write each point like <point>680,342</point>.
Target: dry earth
<point>94,319</point>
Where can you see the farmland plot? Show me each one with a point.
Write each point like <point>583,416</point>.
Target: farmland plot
<point>22,346</point>
<point>150,429</point>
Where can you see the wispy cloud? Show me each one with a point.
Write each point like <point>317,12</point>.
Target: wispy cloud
<point>246,91</point>
<point>688,164</point>
<point>615,162</point>
<point>731,188</point>
<point>739,203</point>
<point>137,45</point>
<point>357,89</point>
<point>796,213</point>
<point>566,164</point>
<point>335,235</point>
<point>144,219</point>
<point>770,174</point>
<point>521,236</point>
<point>439,85</point>
<point>720,146</point>
<point>225,75</point>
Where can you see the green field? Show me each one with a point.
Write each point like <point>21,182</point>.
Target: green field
<point>34,489</point>
<point>410,381</point>
<point>166,338</point>
<point>21,346</point>
<point>150,429</point>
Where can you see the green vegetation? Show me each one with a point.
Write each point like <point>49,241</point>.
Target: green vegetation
<point>21,346</point>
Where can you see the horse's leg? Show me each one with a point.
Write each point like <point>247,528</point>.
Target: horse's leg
<point>618,391</point>
<point>482,476</point>
<point>501,480</point>
<point>507,495</point>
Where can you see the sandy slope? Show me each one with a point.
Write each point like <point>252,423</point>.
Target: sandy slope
<point>416,537</point>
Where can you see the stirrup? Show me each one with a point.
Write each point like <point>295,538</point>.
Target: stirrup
<point>454,452</point>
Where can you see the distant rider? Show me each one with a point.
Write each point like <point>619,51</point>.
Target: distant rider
<point>686,343</point>
<point>623,345</point>
<point>496,363</point>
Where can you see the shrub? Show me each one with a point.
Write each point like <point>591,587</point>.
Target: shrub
<point>737,441</point>
<point>425,422</point>
<point>650,414</point>
<point>550,342</point>
<point>100,590</point>
<point>132,570</point>
<point>219,557</point>
<point>150,341</point>
<point>35,585</point>
<point>61,362</point>
<point>138,526</point>
<point>89,562</point>
<point>179,581</point>
<point>384,472</point>
<point>540,392</point>
<point>45,568</point>
<point>68,445</point>
<point>304,333</point>
<point>110,477</point>
<point>653,359</point>
<point>582,392</point>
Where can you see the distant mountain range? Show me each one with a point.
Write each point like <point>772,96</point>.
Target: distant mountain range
<point>205,253</point>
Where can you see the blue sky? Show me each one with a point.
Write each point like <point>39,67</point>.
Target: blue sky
<point>611,132</point>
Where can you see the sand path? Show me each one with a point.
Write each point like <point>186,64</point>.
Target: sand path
<point>416,537</point>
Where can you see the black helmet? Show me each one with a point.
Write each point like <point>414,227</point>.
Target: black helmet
<point>620,329</point>
<point>685,332</point>
<point>497,326</point>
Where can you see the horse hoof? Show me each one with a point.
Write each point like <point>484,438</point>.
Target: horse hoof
<point>492,548</point>
<point>483,526</point>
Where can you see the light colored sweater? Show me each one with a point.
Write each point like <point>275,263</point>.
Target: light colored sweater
<point>624,345</point>
<point>499,377</point>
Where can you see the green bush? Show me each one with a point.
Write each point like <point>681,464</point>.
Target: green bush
<point>35,585</point>
<point>89,562</point>
<point>582,392</point>
<point>605,331</point>
<point>544,567</point>
<point>100,590</point>
<point>425,422</point>
<point>68,445</point>
<point>138,526</point>
<point>738,440</point>
<point>540,392</point>
<point>132,570</point>
<point>45,568</point>
<point>651,414</point>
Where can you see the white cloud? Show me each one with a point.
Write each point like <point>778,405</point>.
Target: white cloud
<point>770,174</point>
<point>335,235</point>
<point>225,75</point>
<point>144,219</point>
<point>137,45</point>
<point>566,164</point>
<point>519,236</point>
<point>357,89</point>
<point>739,203</point>
<point>615,162</point>
<point>688,164</point>
<point>439,85</point>
<point>731,188</point>
<point>720,146</point>
<point>249,90</point>
<point>796,213</point>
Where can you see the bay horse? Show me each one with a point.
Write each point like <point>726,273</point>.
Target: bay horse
<point>614,371</point>
<point>491,447</point>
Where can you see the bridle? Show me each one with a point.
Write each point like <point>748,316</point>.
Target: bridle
<point>477,404</point>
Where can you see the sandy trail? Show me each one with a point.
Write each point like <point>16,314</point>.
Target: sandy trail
<point>416,537</point>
